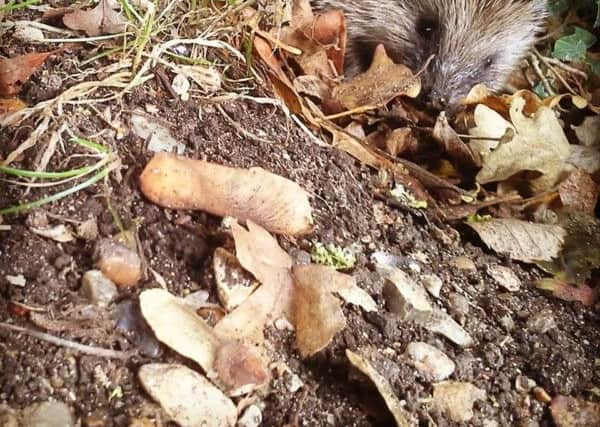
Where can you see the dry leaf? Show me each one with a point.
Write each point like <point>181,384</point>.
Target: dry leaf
<point>259,253</point>
<point>276,203</point>
<point>402,417</point>
<point>381,83</point>
<point>17,70</point>
<point>579,192</point>
<point>187,397</point>
<point>539,144</point>
<point>240,365</point>
<point>177,325</point>
<point>100,20</point>
<point>318,316</point>
<point>521,240</point>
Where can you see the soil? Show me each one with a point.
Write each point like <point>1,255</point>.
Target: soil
<point>178,245</point>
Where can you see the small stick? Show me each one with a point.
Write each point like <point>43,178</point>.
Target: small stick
<point>61,342</point>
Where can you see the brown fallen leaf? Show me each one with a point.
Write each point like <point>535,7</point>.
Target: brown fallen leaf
<point>17,70</point>
<point>463,156</point>
<point>259,253</point>
<point>579,192</point>
<point>567,292</point>
<point>382,82</point>
<point>276,203</point>
<point>192,337</point>
<point>318,315</point>
<point>401,416</point>
<point>240,365</point>
<point>521,240</point>
<point>100,20</point>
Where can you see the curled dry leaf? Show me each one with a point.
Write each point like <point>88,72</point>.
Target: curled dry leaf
<point>381,83</point>
<point>100,20</point>
<point>259,253</point>
<point>59,233</point>
<point>521,240</point>
<point>16,71</point>
<point>177,325</point>
<point>234,284</point>
<point>276,203</point>
<point>187,397</point>
<point>401,416</point>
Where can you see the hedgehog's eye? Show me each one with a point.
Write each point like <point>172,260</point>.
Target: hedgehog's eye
<point>427,27</point>
<point>489,61</point>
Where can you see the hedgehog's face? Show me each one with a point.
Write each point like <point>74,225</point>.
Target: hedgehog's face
<point>459,47</point>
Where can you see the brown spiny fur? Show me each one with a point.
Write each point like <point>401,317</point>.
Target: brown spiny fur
<point>474,41</point>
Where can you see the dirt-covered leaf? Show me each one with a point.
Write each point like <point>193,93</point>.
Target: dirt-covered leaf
<point>187,397</point>
<point>566,291</point>
<point>192,337</point>
<point>521,240</point>
<point>16,70</point>
<point>382,82</point>
<point>274,202</point>
<point>401,416</point>
<point>100,20</point>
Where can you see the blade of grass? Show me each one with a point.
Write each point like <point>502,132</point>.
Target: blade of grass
<point>11,6</point>
<point>57,196</point>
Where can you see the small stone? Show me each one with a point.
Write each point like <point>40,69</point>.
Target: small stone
<point>18,280</point>
<point>98,288</point>
<point>541,395</point>
<point>431,363</point>
<point>402,294</point>
<point>459,304</point>
<point>541,322</point>
<point>524,384</point>
<point>88,229</point>
<point>456,399</point>
<point>252,417</point>
<point>505,277</point>
<point>572,412</point>
<point>432,283</point>
<point>464,263</point>
<point>119,263</point>
<point>294,383</point>
<point>48,414</point>
<point>282,324</point>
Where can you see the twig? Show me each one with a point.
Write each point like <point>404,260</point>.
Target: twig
<point>82,348</point>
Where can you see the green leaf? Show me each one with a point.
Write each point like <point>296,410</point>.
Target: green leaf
<point>574,47</point>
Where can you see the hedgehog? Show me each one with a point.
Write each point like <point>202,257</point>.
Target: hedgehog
<point>456,43</point>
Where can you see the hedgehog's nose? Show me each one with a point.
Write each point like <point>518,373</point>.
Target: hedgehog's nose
<point>438,99</point>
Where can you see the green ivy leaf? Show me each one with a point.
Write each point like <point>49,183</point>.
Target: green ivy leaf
<point>574,47</point>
